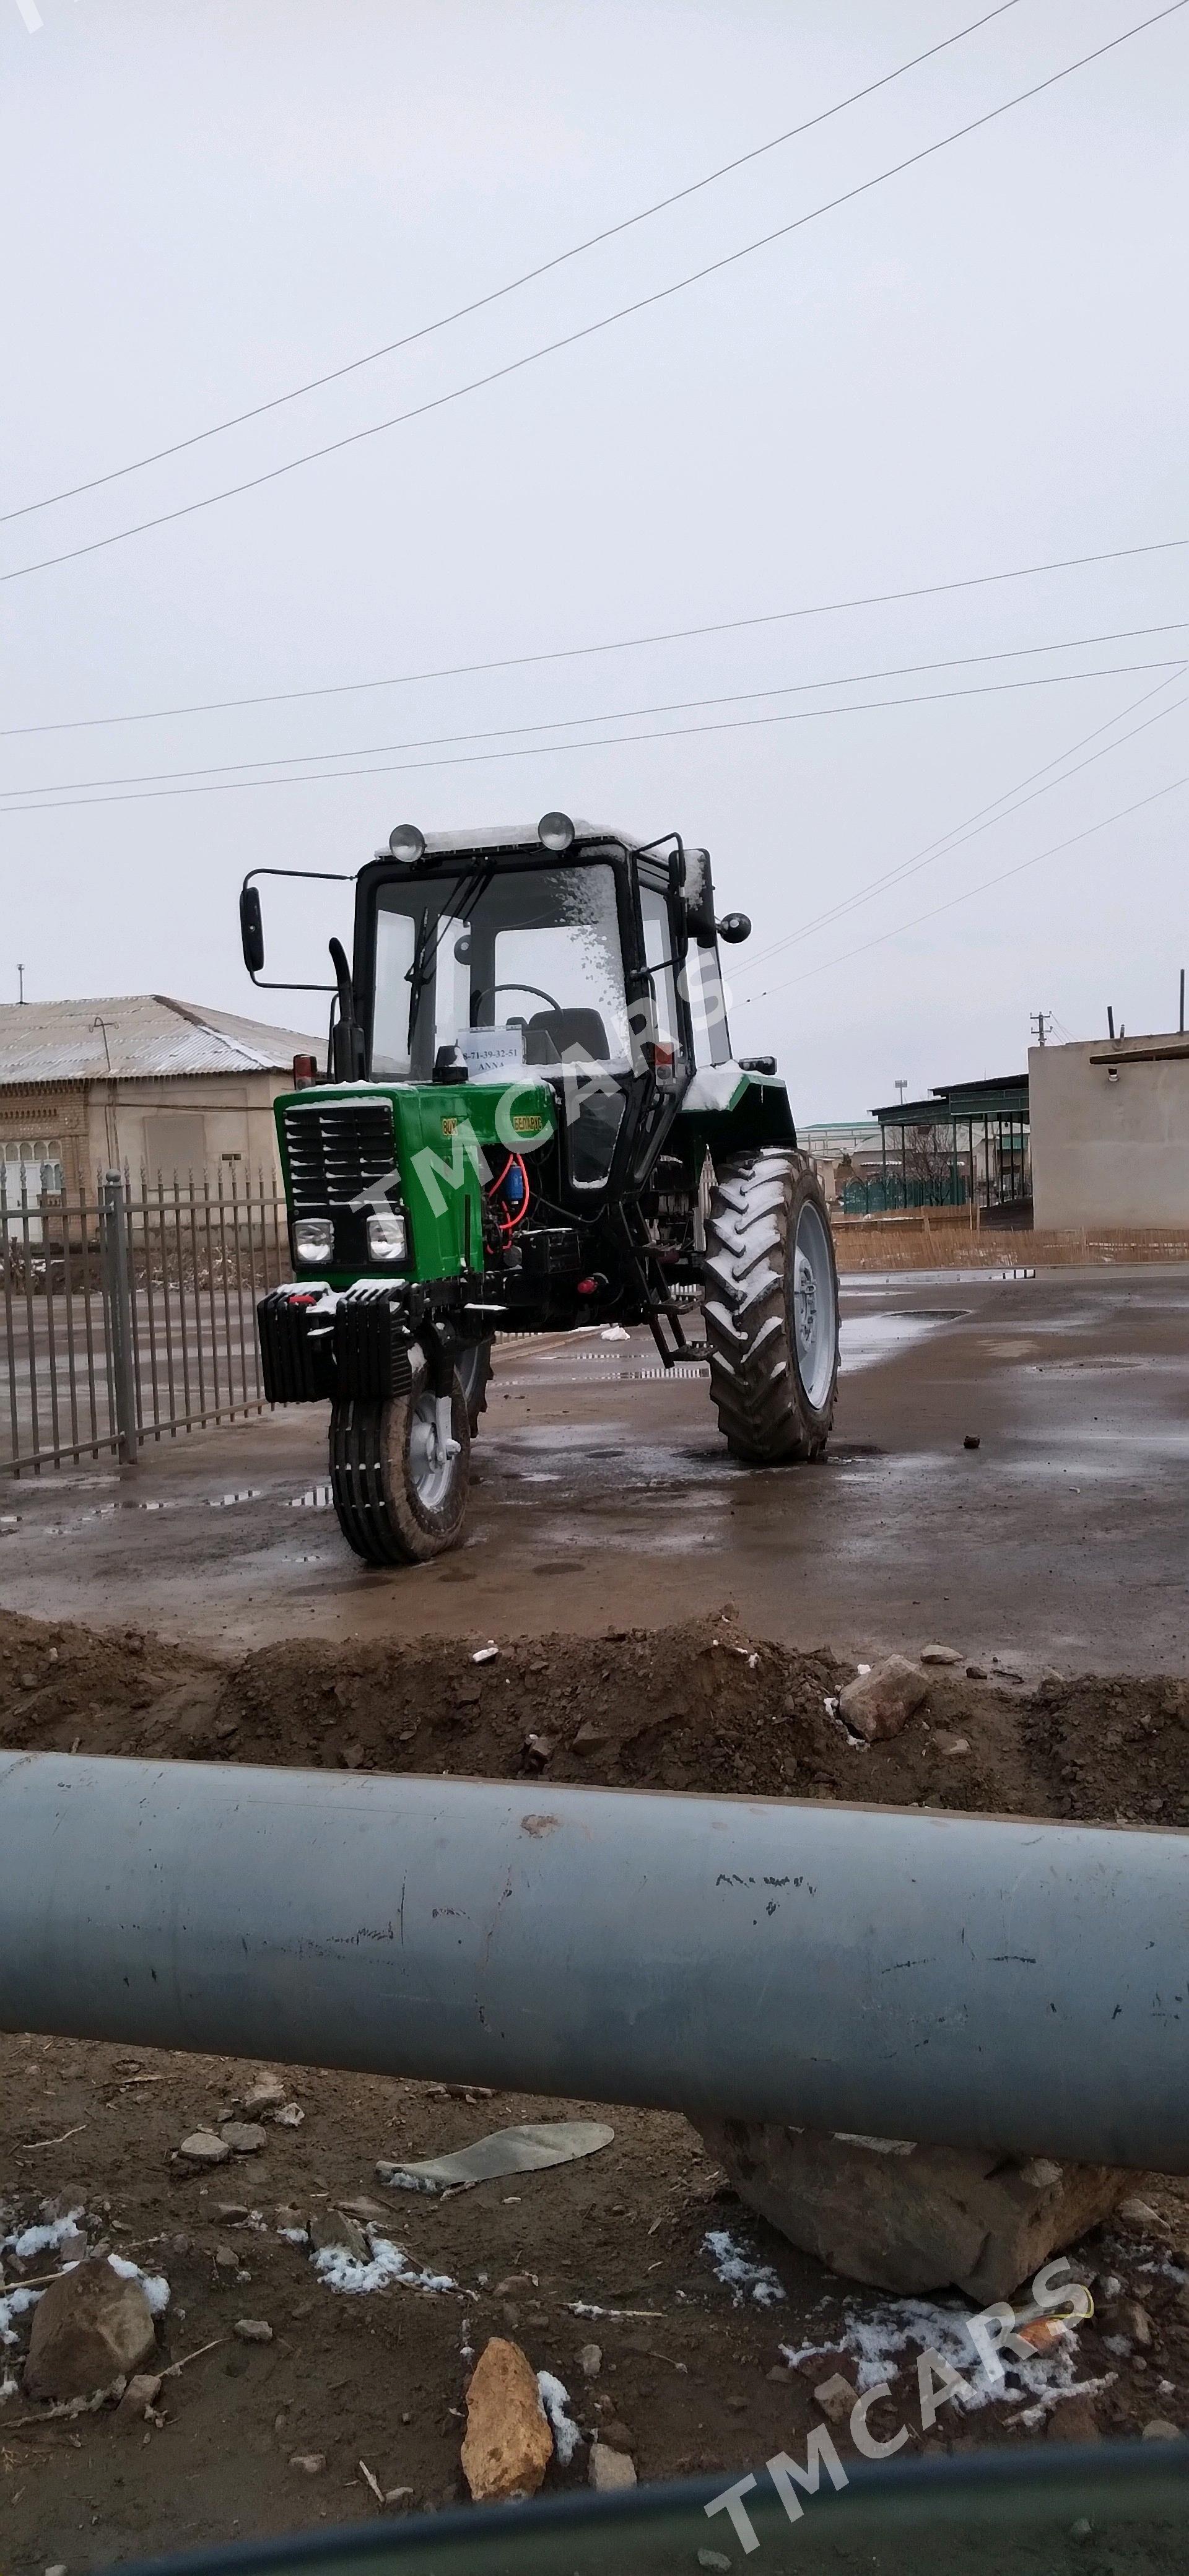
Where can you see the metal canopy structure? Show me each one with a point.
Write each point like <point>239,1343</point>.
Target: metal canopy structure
<point>966,1145</point>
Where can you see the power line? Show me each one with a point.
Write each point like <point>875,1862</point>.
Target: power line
<point>614,715</point>
<point>580,652</point>
<point>983,887</point>
<point>555,750</point>
<point>479,303</point>
<point>974,824</point>
<point>589,330</point>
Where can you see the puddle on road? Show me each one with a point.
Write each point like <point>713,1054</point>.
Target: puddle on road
<point>868,1339</point>
<point>865,1340</point>
<point>878,1282</point>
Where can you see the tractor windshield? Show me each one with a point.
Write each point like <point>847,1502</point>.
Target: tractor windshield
<point>512,966</point>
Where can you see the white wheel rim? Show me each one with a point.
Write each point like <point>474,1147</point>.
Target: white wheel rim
<point>429,1472</point>
<point>815,1320</point>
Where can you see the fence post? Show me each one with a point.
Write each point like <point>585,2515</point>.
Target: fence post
<point>117,1295</point>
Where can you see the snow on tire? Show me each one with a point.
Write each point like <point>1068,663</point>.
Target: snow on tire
<point>771,1307</point>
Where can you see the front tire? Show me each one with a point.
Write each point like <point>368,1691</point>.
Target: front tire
<point>771,1308</point>
<point>399,1500</point>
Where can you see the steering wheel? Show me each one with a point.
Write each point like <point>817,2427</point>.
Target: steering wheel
<point>488,992</point>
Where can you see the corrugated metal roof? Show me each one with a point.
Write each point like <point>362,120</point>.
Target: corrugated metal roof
<point>136,1036</point>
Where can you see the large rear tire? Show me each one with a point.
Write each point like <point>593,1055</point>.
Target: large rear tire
<point>399,1500</point>
<point>771,1308</point>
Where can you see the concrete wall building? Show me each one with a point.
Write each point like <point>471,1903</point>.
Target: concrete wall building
<point>854,1144</point>
<point>1110,1132</point>
<point>159,1085</point>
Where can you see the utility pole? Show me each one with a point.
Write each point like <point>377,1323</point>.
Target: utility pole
<point>1042,1022</point>
<point>901,1087</point>
<point>21,983</point>
<point>1181,1021</point>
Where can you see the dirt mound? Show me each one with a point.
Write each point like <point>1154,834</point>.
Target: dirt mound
<point>60,1682</point>
<point>1115,1750</point>
<point>696,1707</point>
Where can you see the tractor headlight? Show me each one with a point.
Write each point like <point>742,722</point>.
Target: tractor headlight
<point>387,1236</point>
<point>313,1239</point>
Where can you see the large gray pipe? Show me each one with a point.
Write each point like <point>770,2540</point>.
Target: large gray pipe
<point>960,1979</point>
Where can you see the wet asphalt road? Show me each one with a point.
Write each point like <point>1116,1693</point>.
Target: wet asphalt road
<point>604,1497</point>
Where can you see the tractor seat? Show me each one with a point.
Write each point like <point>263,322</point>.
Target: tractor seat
<point>550,1036</point>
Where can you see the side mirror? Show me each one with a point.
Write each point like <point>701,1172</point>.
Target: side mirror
<point>734,927</point>
<point>698,898</point>
<point>251,929</point>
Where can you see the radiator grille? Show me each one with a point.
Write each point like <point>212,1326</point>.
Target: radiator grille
<point>337,1151</point>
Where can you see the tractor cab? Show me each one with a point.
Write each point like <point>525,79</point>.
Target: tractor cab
<point>530,1115</point>
<point>560,956</point>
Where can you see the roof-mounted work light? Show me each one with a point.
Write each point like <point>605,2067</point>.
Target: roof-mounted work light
<point>555,832</point>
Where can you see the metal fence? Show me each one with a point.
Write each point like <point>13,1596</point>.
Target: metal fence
<point>131,1315</point>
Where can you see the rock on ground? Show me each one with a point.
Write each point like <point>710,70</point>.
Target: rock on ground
<point>912,2218</point>
<point>331,2231</point>
<point>266,2094</point>
<point>881,1702</point>
<point>610,2469</point>
<point>91,2327</point>
<point>508,2443</point>
<point>141,2393</point>
<point>244,2137</point>
<point>202,2147</point>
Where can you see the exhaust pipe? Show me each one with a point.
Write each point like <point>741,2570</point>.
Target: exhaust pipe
<point>963,1980</point>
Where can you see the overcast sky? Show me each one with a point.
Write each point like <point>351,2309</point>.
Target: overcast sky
<point>977,366</point>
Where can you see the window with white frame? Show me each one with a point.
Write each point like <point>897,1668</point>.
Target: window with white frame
<point>30,1167</point>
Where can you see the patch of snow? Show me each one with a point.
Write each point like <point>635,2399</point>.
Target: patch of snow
<point>389,2263</point>
<point>40,2240</point>
<point>26,2244</point>
<point>9,2387</point>
<point>877,2337</point>
<point>588,2308</point>
<point>614,1333</point>
<point>744,2278</point>
<point>555,2400</point>
<point>14,2304</point>
<point>154,2284</point>
<point>293,2235</point>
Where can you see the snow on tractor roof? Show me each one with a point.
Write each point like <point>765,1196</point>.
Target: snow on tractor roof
<point>514,836</point>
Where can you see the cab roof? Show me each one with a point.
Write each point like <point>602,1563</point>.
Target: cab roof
<point>494,837</point>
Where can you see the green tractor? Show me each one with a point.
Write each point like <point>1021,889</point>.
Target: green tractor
<point>533,1122</point>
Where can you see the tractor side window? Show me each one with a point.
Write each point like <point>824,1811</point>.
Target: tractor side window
<point>707,1002</point>
<point>658,958</point>
<point>396,934</point>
